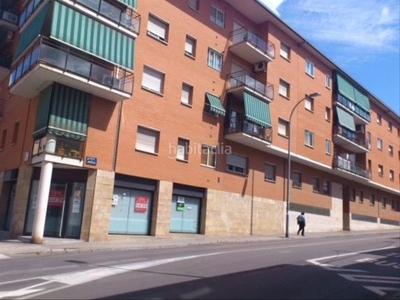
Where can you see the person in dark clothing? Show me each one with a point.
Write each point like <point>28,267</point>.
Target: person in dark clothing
<point>301,221</point>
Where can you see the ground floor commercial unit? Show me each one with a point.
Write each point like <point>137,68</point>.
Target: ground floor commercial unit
<point>98,205</point>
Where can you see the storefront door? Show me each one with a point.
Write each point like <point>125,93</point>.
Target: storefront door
<point>185,213</point>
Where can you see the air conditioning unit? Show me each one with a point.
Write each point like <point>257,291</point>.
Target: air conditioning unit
<point>260,66</point>
<point>10,17</point>
<point>107,80</point>
<point>10,36</point>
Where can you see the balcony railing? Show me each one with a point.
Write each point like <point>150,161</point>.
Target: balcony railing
<point>355,137</point>
<point>59,146</point>
<point>354,108</point>
<point>246,35</point>
<point>347,165</point>
<point>49,53</point>
<point>238,123</point>
<point>251,81</point>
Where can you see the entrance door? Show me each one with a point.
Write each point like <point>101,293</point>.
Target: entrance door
<point>55,210</point>
<point>185,212</point>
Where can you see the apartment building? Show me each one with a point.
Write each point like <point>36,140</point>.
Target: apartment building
<point>148,117</point>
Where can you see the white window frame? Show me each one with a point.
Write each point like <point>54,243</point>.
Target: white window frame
<point>147,140</point>
<point>217,16</point>
<point>182,151</point>
<point>309,103</point>
<point>284,88</point>
<point>310,68</point>
<point>214,59</point>
<point>390,149</point>
<point>391,175</point>
<point>327,113</point>
<point>236,164</point>
<point>187,94</point>
<point>378,119</point>
<point>153,80</point>
<point>157,28</point>
<point>208,156</point>
<point>270,172</point>
<point>285,51</point>
<point>379,144</point>
<point>328,147</point>
<point>283,127</point>
<point>309,138</point>
<point>380,170</point>
<point>328,81</point>
<point>190,46</point>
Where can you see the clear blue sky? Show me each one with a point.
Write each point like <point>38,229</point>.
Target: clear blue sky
<point>362,37</point>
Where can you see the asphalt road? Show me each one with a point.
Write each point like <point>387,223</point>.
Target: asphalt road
<point>356,267</point>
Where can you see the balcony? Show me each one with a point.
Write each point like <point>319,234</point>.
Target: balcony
<point>2,105</point>
<point>250,46</point>
<point>244,132</point>
<point>46,62</point>
<point>353,141</point>
<point>361,116</point>
<point>5,65</point>
<point>347,167</point>
<point>239,81</point>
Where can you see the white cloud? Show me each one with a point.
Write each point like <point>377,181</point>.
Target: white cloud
<point>273,5</point>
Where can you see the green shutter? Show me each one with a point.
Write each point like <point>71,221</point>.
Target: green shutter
<point>362,100</point>
<point>215,104</point>
<point>89,35</point>
<point>131,3</point>
<point>42,115</point>
<point>345,88</point>
<point>31,32</point>
<point>345,119</point>
<point>69,112</point>
<point>257,110</point>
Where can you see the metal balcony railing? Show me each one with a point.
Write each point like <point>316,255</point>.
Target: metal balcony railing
<point>354,108</point>
<point>246,35</point>
<point>238,123</point>
<point>251,81</point>
<point>355,137</point>
<point>60,146</point>
<point>347,165</point>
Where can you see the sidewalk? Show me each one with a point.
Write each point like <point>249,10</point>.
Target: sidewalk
<point>22,246</point>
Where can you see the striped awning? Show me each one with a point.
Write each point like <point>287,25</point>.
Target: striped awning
<point>215,104</point>
<point>345,119</point>
<point>352,93</point>
<point>257,110</point>
<point>131,3</point>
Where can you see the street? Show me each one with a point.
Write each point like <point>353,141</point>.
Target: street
<point>341,267</point>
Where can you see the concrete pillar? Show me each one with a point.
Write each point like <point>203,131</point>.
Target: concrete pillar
<point>41,202</point>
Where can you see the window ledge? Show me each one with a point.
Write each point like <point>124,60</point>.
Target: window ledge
<point>146,152</point>
<point>152,91</point>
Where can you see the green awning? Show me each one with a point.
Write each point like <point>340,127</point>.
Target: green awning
<point>345,119</point>
<point>76,29</point>
<point>131,3</point>
<point>352,93</point>
<point>31,32</point>
<point>362,100</point>
<point>257,110</point>
<point>63,111</point>
<point>215,104</point>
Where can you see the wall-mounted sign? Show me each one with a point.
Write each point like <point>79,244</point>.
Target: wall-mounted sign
<point>141,204</point>
<point>180,204</point>
<point>91,160</point>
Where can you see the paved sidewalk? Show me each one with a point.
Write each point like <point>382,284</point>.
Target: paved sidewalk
<point>23,246</point>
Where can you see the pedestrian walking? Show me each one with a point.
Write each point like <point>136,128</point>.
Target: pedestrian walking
<point>301,221</point>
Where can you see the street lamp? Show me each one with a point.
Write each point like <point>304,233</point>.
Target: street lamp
<point>310,96</point>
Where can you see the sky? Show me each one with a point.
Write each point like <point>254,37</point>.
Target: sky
<point>362,37</point>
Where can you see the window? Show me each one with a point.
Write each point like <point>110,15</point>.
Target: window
<point>217,16</point>
<point>309,103</point>
<point>214,59</point>
<point>285,51</point>
<point>326,188</point>
<point>390,150</point>
<point>194,4</point>
<point>157,28</point>
<point>328,147</point>
<point>296,179</point>
<point>147,140</point>
<point>378,119</point>
<point>309,68</point>
<point>270,172</point>
<point>390,126</point>
<point>190,46</point>
<point>380,170</point>
<point>369,140</point>
<point>309,138</point>
<point>283,127</point>
<point>391,175</point>
<point>208,156</point>
<point>3,139</point>
<point>372,200</point>
<point>187,94</point>
<point>393,205</point>
<point>328,114</point>
<point>361,197</point>
<point>379,144</point>
<point>183,149</point>
<point>352,194</point>
<point>284,88</point>
<point>153,80</point>
<point>236,163</point>
<point>383,202</point>
<point>328,81</point>
<point>15,133</point>
<point>315,183</point>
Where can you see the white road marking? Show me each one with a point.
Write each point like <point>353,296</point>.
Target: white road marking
<point>380,289</point>
<point>2,256</point>
<point>18,293</point>
<point>368,259</point>
<point>368,278</point>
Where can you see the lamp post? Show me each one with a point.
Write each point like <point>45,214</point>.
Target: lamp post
<point>310,96</point>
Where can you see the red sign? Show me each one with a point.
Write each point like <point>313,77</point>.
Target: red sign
<point>141,204</point>
<point>56,197</point>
